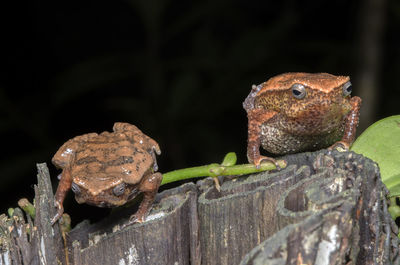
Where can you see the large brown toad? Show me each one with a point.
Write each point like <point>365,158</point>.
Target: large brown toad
<point>109,169</point>
<point>296,112</point>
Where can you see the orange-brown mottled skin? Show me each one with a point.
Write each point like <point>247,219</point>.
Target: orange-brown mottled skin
<point>282,123</point>
<point>109,169</point>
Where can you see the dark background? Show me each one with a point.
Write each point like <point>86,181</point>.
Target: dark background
<point>179,70</point>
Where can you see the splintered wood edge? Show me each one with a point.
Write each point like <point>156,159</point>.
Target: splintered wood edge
<point>49,244</point>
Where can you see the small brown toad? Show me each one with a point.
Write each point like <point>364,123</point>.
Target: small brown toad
<point>297,112</point>
<point>109,169</point>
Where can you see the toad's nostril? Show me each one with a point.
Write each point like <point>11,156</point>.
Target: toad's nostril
<point>75,188</point>
<point>119,189</point>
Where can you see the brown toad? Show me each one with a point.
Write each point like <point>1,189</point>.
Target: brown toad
<point>296,112</point>
<point>109,169</point>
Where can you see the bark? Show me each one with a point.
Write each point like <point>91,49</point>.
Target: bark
<point>324,208</point>
<point>25,242</point>
<point>171,234</point>
<point>336,216</point>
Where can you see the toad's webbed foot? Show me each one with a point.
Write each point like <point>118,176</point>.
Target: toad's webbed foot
<point>134,219</point>
<point>259,159</point>
<point>342,144</point>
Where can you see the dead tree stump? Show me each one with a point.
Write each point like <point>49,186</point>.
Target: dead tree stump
<point>338,215</point>
<point>324,208</point>
<point>25,242</point>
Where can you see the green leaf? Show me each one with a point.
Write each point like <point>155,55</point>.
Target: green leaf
<point>381,143</point>
<point>229,160</point>
<point>394,211</point>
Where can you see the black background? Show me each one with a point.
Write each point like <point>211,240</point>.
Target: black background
<point>179,70</point>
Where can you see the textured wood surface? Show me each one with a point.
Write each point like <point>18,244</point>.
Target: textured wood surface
<point>170,238</point>
<point>43,244</point>
<point>242,215</point>
<point>324,208</point>
<point>338,215</point>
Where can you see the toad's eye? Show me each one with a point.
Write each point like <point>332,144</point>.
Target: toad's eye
<point>75,188</point>
<point>347,89</point>
<point>119,190</point>
<point>299,91</point>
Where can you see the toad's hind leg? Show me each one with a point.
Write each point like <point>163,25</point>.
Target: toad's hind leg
<point>138,137</point>
<point>149,186</point>
<point>151,147</point>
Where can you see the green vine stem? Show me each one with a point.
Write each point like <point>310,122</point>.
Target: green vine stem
<point>227,167</point>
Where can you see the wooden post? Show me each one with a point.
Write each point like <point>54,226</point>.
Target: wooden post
<point>169,236</point>
<point>344,216</point>
<point>24,242</point>
<point>324,208</point>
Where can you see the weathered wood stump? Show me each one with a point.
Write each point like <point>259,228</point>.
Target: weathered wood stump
<point>25,242</point>
<point>324,208</point>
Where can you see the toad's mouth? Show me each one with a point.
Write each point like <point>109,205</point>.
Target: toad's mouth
<point>101,202</point>
<point>107,200</point>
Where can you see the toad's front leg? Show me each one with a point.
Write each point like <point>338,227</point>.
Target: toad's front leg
<point>149,186</point>
<point>256,118</point>
<point>351,123</point>
<point>63,187</point>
